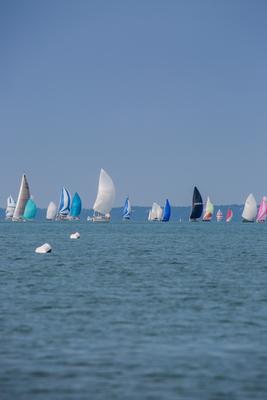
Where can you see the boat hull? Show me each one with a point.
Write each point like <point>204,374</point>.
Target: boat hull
<point>101,219</point>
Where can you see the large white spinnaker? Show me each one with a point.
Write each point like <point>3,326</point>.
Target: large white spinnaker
<point>23,197</point>
<point>250,209</point>
<point>105,195</point>
<point>10,207</point>
<point>51,211</point>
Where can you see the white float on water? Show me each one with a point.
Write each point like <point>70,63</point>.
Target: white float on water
<point>75,235</point>
<point>45,248</point>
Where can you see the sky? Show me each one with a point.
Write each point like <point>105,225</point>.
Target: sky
<point>163,95</point>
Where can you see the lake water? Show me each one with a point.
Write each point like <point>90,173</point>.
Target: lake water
<point>133,311</point>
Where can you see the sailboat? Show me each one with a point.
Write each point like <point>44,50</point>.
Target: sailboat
<point>219,216</point>
<point>105,198</point>
<point>76,207</point>
<point>261,217</point>
<point>250,209</point>
<point>229,215</point>
<point>51,212</point>
<point>209,209</point>
<point>197,205</point>
<point>11,205</point>
<point>23,197</point>
<point>127,209</point>
<point>30,210</point>
<point>166,211</point>
<point>155,214</point>
<point>64,204</point>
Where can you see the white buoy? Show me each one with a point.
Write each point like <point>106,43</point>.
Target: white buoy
<point>75,235</point>
<point>45,248</point>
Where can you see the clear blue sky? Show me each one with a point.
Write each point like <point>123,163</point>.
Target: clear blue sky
<point>162,94</point>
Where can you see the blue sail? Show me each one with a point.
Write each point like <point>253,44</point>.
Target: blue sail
<point>166,212</point>
<point>76,206</point>
<point>30,210</point>
<point>64,203</point>
<point>126,213</point>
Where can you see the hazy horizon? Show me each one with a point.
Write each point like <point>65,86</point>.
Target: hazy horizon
<point>162,95</point>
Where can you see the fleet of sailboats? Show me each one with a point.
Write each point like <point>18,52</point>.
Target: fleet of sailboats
<point>25,208</point>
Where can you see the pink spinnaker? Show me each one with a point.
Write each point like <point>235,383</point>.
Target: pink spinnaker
<point>229,215</point>
<point>261,217</point>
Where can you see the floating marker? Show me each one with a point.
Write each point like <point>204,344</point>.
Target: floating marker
<point>75,235</point>
<point>45,248</point>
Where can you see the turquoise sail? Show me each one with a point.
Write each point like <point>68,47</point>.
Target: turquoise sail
<point>30,210</point>
<point>76,206</point>
<point>166,212</point>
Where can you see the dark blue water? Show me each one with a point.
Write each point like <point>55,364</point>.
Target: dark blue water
<point>133,311</point>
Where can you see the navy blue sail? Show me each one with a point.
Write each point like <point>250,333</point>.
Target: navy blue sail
<point>76,206</point>
<point>197,205</point>
<point>166,212</point>
<point>127,209</point>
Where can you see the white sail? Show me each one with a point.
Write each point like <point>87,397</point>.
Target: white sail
<point>105,195</point>
<point>11,205</point>
<point>51,211</point>
<point>250,210</point>
<point>155,213</point>
<point>23,197</point>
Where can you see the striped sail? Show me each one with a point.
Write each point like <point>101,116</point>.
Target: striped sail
<point>64,203</point>
<point>219,216</point>
<point>23,197</point>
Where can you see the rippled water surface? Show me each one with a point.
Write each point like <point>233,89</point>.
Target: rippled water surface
<point>133,311</point>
